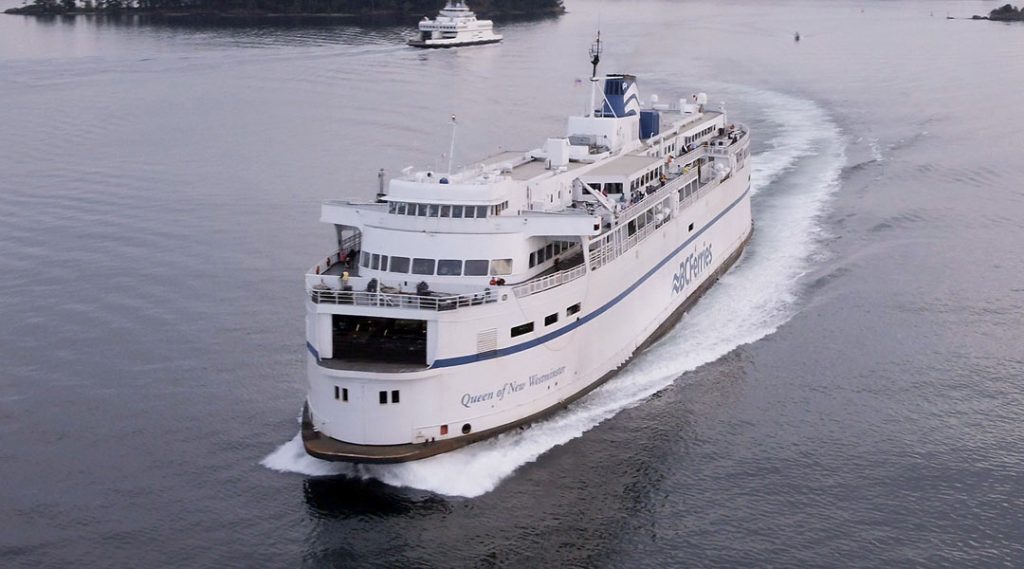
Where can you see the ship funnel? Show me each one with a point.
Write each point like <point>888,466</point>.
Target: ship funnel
<point>621,95</point>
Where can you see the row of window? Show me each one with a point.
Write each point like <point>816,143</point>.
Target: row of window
<point>699,135</point>
<point>688,190</point>
<point>614,188</point>
<point>657,214</point>
<point>440,267</point>
<point>548,321</point>
<point>741,156</point>
<point>341,394</point>
<point>647,177</point>
<point>446,210</point>
<point>549,251</point>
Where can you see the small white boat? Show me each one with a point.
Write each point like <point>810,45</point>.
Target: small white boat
<point>455,25</point>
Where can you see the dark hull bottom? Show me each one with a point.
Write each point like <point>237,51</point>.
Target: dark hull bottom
<point>417,43</point>
<point>326,448</point>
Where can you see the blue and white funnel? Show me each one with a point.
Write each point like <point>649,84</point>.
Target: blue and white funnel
<point>622,98</point>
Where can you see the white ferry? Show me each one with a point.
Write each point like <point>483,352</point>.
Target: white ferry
<point>460,305</point>
<point>455,25</point>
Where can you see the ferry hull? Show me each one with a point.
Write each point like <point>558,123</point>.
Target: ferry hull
<point>607,237</point>
<point>321,446</point>
<point>453,43</point>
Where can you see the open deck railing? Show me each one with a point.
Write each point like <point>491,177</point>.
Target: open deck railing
<point>434,301</point>
<point>350,243</point>
<point>550,281</point>
<point>605,253</point>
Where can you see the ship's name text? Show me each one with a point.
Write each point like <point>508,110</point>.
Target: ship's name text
<point>511,387</point>
<point>690,268</point>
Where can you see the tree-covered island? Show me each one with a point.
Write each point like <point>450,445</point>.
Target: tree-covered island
<point>1005,13</point>
<point>255,8</point>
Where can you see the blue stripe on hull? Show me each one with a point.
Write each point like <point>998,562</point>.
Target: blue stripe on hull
<point>461,360</point>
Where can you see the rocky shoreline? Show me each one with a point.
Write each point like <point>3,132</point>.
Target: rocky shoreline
<point>502,9</point>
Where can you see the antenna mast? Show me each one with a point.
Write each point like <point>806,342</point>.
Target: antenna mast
<point>595,54</point>
<point>595,58</point>
<point>451,150</point>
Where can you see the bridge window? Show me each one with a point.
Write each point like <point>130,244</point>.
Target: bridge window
<point>501,267</point>
<point>399,264</point>
<point>422,266</point>
<point>533,259</point>
<point>375,262</point>
<point>572,309</point>
<point>476,268</point>
<point>456,211</point>
<point>449,267</point>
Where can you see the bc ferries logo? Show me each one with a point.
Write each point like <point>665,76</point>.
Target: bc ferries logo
<point>690,268</point>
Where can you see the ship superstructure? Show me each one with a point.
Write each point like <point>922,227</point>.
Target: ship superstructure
<point>460,305</point>
<point>455,25</point>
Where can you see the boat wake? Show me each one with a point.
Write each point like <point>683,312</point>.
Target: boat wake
<point>792,181</point>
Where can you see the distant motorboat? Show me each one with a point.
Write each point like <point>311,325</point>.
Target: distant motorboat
<point>455,25</point>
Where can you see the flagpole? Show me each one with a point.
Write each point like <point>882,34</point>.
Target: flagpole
<point>451,150</point>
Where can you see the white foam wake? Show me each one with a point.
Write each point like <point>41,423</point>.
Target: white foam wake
<point>750,302</point>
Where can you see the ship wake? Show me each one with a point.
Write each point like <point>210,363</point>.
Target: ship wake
<point>793,178</point>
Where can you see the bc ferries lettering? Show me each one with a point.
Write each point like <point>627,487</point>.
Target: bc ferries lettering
<point>510,387</point>
<point>690,268</point>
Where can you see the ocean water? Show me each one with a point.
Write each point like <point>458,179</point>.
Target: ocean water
<point>851,394</point>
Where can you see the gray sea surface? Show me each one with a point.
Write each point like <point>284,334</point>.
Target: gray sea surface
<point>851,394</point>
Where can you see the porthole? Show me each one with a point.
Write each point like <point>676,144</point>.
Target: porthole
<point>466,429</point>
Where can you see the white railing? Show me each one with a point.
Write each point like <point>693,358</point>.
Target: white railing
<point>550,281</point>
<point>433,301</point>
<point>607,252</point>
<point>347,245</point>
